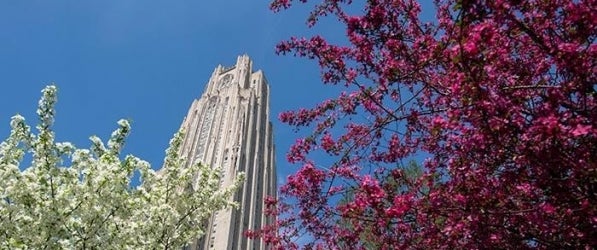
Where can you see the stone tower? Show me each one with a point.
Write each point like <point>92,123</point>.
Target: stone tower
<point>229,126</point>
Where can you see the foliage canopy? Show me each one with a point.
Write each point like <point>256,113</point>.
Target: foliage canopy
<point>70,198</point>
<point>501,95</point>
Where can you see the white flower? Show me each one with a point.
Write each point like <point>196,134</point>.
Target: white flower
<point>90,204</point>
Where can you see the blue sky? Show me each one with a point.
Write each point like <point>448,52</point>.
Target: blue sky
<point>145,61</point>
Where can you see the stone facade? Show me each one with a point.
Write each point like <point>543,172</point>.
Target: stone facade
<point>229,126</point>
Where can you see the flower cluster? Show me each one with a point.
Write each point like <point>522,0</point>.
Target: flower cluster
<point>500,96</point>
<point>71,198</point>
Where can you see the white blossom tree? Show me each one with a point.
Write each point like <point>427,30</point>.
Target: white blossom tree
<point>69,198</point>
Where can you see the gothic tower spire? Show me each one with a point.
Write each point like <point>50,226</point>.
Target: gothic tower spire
<point>229,127</point>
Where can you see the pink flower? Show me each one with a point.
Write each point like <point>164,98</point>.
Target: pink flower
<point>581,130</point>
<point>471,48</point>
<point>568,47</point>
<point>548,208</point>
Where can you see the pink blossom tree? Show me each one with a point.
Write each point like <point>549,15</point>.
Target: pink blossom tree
<point>498,96</point>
